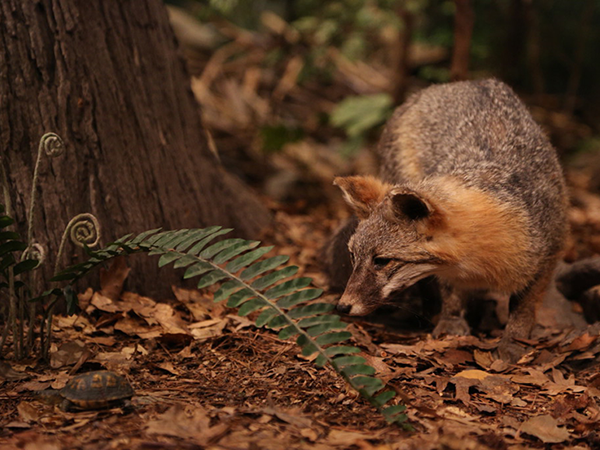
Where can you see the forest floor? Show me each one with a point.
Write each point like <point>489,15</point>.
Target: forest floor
<point>206,378</point>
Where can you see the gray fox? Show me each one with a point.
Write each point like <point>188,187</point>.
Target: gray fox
<point>472,193</point>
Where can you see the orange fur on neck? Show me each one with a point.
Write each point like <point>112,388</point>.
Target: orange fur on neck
<point>483,239</point>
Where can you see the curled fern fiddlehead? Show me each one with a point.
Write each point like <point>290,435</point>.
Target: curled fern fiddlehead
<point>52,145</point>
<point>34,251</point>
<point>262,286</point>
<point>83,230</point>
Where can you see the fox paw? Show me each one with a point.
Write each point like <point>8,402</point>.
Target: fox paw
<point>455,326</point>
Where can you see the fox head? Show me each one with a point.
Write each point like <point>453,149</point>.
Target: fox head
<point>388,249</point>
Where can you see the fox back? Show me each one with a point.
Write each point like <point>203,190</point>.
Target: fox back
<point>471,191</point>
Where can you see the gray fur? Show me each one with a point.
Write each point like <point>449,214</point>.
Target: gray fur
<point>482,133</point>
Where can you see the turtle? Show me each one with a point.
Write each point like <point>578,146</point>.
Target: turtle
<point>92,390</point>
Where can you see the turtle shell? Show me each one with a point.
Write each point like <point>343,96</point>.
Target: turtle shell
<point>97,390</point>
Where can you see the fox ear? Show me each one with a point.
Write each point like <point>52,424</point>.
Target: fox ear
<point>407,204</point>
<point>363,194</point>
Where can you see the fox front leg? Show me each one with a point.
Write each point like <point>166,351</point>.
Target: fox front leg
<point>452,317</point>
<point>521,317</point>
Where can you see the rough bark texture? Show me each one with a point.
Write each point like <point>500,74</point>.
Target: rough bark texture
<point>106,77</point>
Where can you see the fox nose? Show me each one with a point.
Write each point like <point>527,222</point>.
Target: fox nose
<point>344,308</point>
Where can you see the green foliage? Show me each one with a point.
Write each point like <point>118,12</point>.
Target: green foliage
<point>358,115</point>
<point>224,6</point>
<point>260,287</point>
<point>355,27</point>
<point>11,246</point>
<point>14,267</point>
<point>275,137</point>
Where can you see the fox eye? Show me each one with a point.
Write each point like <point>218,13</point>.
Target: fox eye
<point>380,263</point>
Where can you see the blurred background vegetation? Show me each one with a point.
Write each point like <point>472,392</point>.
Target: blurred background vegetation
<point>314,80</point>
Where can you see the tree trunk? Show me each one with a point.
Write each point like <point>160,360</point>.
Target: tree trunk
<point>107,78</point>
<point>463,30</point>
<point>402,63</point>
<point>516,37</point>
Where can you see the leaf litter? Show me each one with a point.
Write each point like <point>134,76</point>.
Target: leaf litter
<point>206,378</point>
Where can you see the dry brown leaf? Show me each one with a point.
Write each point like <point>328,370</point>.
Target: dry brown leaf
<point>112,279</point>
<point>168,367</point>
<point>35,385</point>
<point>84,298</point>
<point>17,425</point>
<point>582,342</point>
<point>167,318</point>
<point>546,360</point>
<point>242,322</point>
<point>565,406</point>
<point>68,354</point>
<point>9,374</point>
<point>28,412</point>
<point>78,322</point>
<point>114,359</point>
<point>455,357</point>
<point>380,366</point>
<point>207,329</point>
<point>499,388</point>
<point>142,306</point>
<point>546,429</point>
<point>192,422</point>
<point>135,327</point>
<point>60,380</point>
<point>197,303</point>
<point>107,341</point>
<point>473,374</point>
<point>292,416</point>
<point>186,352</point>
<point>103,303</point>
<point>463,385</point>
<point>534,377</point>
<point>483,359</point>
<point>343,438</point>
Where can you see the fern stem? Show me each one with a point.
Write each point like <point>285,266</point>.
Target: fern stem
<point>47,333</point>
<point>11,295</point>
<point>53,145</point>
<point>13,312</point>
<point>5,190</point>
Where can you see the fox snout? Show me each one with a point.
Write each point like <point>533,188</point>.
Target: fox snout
<point>354,307</point>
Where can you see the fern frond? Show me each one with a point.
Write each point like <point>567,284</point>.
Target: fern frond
<point>265,287</point>
<point>10,245</point>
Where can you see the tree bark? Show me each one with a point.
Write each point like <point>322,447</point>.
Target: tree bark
<point>463,30</point>
<point>516,37</point>
<point>402,63</point>
<point>107,78</point>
